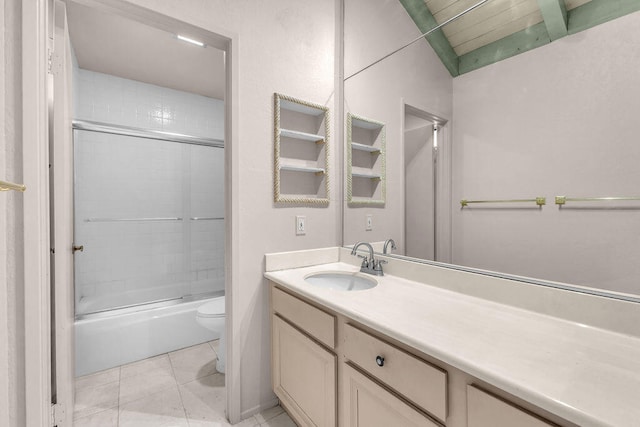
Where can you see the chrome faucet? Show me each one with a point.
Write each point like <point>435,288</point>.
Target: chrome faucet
<point>386,244</point>
<point>369,264</point>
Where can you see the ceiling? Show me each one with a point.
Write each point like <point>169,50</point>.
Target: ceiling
<point>496,30</point>
<point>499,29</point>
<point>112,44</point>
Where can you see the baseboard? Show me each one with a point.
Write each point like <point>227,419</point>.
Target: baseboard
<point>259,408</point>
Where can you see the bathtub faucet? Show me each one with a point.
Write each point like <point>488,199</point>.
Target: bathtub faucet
<point>369,264</point>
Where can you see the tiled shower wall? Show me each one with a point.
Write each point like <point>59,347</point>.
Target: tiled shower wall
<point>136,198</point>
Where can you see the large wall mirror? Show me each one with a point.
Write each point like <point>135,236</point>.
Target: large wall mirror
<point>510,106</point>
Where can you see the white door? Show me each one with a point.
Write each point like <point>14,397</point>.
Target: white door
<point>61,179</point>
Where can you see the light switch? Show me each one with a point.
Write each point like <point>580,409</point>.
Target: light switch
<point>301,225</point>
<point>369,223</point>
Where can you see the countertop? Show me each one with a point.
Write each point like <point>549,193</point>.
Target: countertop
<point>586,375</point>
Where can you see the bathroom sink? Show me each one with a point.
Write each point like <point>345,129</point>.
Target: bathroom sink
<point>341,281</point>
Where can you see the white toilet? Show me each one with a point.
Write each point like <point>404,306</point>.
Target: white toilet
<point>211,316</point>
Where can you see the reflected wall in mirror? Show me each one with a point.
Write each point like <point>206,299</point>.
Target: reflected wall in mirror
<point>555,120</point>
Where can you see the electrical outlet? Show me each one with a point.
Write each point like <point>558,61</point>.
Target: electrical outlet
<point>369,223</point>
<point>301,225</point>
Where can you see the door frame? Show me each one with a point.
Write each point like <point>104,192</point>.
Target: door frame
<point>36,44</point>
<point>443,178</point>
<point>37,35</point>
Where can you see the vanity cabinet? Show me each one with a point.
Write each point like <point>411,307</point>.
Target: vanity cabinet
<point>366,404</point>
<point>486,410</point>
<point>423,384</point>
<point>303,370</point>
<point>329,370</point>
<point>304,375</point>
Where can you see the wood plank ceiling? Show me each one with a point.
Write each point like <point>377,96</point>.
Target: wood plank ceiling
<point>502,28</point>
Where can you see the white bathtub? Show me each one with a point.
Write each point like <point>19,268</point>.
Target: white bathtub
<point>110,341</point>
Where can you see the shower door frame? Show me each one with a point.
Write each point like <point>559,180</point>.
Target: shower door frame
<point>37,46</point>
<point>148,134</point>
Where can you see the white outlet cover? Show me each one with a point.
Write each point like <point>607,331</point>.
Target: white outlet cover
<point>301,225</point>
<point>369,223</point>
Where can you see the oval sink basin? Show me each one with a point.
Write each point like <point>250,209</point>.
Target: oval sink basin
<point>341,281</point>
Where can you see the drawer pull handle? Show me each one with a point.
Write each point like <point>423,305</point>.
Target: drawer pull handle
<point>380,360</point>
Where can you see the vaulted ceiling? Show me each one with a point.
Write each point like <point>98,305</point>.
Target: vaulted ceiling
<point>499,29</point>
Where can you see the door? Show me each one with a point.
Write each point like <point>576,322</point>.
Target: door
<point>61,189</point>
<point>304,376</point>
<point>369,405</point>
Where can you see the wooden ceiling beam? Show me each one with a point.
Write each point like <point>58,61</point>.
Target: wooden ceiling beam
<point>514,44</point>
<point>558,22</point>
<point>554,14</point>
<point>424,20</point>
<point>597,12</point>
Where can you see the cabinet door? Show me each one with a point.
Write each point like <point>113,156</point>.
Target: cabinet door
<point>369,405</point>
<point>304,376</point>
<point>485,410</point>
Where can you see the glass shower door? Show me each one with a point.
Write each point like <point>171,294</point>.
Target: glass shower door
<point>144,212</point>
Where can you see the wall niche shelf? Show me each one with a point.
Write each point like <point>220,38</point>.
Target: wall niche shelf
<point>364,147</point>
<point>301,151</point>
<point>366,161</point>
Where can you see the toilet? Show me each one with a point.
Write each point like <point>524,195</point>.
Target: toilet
<point>211,316</point>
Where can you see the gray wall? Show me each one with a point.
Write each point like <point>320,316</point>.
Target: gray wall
<point>557,120</point>
<point>414,76</point>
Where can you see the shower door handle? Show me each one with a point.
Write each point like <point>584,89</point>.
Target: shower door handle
<point>78,248</point>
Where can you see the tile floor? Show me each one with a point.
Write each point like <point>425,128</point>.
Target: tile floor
<point>181,388</point>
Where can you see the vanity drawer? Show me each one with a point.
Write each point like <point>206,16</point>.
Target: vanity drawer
<point>420,382</point>
<point>486,410</point>
<point>310,319</point>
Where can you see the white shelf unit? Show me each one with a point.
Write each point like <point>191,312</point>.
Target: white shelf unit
<point>301,151</point>
<point>366,161</point>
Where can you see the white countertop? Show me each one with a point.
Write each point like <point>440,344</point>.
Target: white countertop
<point>586,375</point>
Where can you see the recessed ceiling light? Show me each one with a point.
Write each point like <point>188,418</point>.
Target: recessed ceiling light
<point>192,41</point>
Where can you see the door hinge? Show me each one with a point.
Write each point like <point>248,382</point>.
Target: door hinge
<point>49,61</point>
<point>57,415</point>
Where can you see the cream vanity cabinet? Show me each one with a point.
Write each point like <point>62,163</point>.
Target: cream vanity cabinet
<point>486,410</point>
<point>328,370</point>
<point>422,384</point>
<point>303,366</point>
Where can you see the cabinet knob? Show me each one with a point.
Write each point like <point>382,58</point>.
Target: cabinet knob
<point>380,360</point>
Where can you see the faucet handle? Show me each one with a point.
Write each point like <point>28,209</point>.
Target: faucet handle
<point>365,260</point>
<point>377,266</point>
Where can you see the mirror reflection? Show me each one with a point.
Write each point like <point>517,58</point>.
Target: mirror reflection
<point>511,107</point>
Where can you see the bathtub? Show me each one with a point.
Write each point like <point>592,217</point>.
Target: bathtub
<point>111,340</point>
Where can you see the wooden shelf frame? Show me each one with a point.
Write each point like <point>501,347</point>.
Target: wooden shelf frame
<point>379,174</point>
<point>298,106</point>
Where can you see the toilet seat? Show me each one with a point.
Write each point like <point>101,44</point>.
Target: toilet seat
<point>211,309</point>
